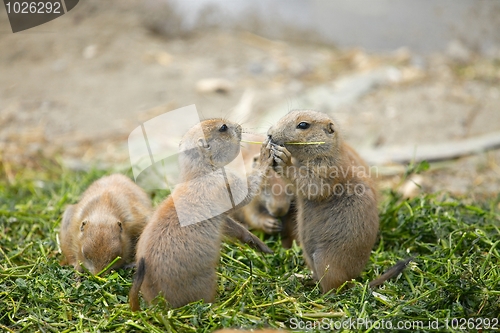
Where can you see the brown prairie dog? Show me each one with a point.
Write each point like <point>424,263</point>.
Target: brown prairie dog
<point>336,199</point>
<point>270,209</point>
<point>104,224</point>
<point>180,262</point>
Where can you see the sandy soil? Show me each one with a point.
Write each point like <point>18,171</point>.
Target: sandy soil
<point>77,86</point>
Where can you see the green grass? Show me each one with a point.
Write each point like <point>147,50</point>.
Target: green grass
<point>455,274</point>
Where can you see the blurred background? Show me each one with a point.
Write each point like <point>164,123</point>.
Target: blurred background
<point>402,76</point>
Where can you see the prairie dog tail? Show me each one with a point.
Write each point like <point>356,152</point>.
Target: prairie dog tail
<point>390,273</point>
<point>133,295</point>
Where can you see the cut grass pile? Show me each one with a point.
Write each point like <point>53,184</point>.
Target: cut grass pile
<point>455,274</point>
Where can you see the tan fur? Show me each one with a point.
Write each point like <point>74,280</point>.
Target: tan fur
<point>336,199</point>
<point>179,262</point>
<point>272,209</point>
<point>106,223</point>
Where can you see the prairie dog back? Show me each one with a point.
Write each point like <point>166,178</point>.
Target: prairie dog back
<point>104,224</point>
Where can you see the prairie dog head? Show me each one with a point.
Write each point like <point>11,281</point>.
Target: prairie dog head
<point>101,242</point>
<point>306,126</point>
<point>209,145</point>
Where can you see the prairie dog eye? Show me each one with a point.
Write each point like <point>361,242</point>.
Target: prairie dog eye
<point>303,125</point>
<point>223,128</point>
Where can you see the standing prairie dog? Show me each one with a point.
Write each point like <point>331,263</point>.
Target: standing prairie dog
<point>179,262</point>
<point>336,199</point>
<point>104,224</point>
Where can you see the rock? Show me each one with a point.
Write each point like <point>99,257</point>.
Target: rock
<point>214,85</point>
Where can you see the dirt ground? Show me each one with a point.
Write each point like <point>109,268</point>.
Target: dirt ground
<point>77,86</point>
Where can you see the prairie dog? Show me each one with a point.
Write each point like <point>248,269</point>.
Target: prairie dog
<point>104,224</point>
<point>336,200</point>
<point>271,210</point>
<point>179,262</point>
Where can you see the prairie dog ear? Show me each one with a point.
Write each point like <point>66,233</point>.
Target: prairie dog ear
<point>331,128</point>
<point>203,143</point>
<point>120,225</point>
<point>84,223</point>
